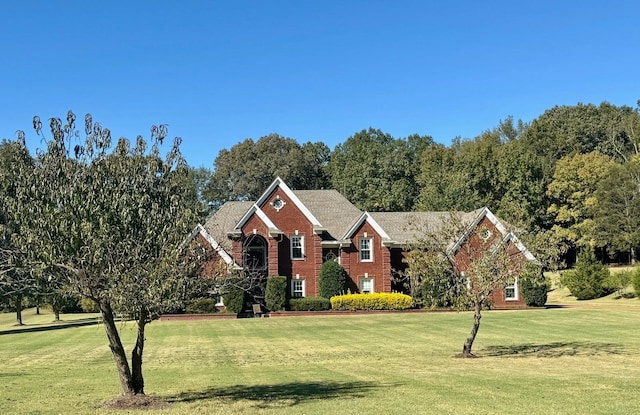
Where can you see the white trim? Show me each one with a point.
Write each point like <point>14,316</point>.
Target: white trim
<point>273,229</point>
<point>366,217</point>
<point>304,288</point>
<point>516,294</point>
<point>301,238</point>
<point>370,248</point>
<point>370,280</point>
<point>215,245</point>
<point>278,182</point>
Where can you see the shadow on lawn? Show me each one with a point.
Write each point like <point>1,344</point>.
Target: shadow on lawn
<point>555,349</point>
<point>282,395</point>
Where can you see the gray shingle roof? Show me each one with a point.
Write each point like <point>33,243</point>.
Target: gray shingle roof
<point>332,210</point>
<point>405,227</point>
<point>224,220</point>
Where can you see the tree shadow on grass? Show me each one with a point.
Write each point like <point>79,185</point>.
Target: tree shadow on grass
<point>555,349</point>
<point>281,395</point>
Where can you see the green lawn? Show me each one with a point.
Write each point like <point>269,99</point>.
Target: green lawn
<point>556,361</point>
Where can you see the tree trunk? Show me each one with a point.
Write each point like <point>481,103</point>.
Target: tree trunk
<point>136,355</point>
<point>56,313</point>
<point>18,305</point>
<point>117,350</point>
<point>632,255</point>
<point>468,344</point>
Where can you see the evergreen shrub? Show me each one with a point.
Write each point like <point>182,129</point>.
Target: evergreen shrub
<point>234,299</point>
<point>587,280</point>
<point>276,293</point>
<point>373,301</point>
<point>309,304</point>
<point>201,306</point>
<point>534,285</point>
<point>332,279</point>
<point>636,281</point>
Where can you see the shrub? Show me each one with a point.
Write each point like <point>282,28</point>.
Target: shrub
<point>636,281</point>
<point>373,301</point>
<point>332,279</point>
<point>276,293</point>
<point>618,281</point>
<point>309,304</point>
<point>201,306</point>
<point>587,280</point>
<point>89,306</point>
<point>534,285</point>
<point>234,299</point>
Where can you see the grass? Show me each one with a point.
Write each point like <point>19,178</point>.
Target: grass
<point>555,361</point>
<point>33,321</point>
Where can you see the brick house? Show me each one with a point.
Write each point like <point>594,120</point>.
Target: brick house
<point>292,232</point>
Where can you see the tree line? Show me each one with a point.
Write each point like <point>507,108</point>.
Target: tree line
<point>567,181</point>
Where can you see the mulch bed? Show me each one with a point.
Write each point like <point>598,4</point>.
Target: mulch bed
<point>136,402</point>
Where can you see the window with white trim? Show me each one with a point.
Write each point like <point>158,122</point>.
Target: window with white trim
<point>297,247</point>
<point>366,253</point>
<point>297,288</point>
<point>366,285</point>
<point>511,291</point>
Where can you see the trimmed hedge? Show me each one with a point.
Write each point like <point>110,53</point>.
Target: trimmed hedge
<point>276,293</point>
<point>373,301</point>
<point>534,286</point>
<point>309,304</point>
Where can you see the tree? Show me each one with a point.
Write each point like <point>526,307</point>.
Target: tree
<point>109,224</point>
<point>474,270</point>
<point>572,191</point>
<point>377,172</point>
<point>588,279</point>
<point>244,171</point>
<point>617,211</point>
<point>17,283</point>
<point>332,279</point>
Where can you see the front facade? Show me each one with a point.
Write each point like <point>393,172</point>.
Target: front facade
<point>293,232</point>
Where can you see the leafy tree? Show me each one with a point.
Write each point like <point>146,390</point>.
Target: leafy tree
<point>377,172</point>
<point>109,224</point>
<point>588,279</point>
<point>17,283</point>
<point>617,211</point>
<point>572,192</point>
<point>244,171</point>
<point>477,268</point>
<point>332,279</point>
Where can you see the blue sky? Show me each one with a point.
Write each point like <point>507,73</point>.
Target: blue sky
<point>219,72</point>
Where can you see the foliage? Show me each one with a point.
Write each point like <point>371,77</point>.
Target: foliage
<point>234,299</point>
<point>372,301</point>
<point>276,293</point>
<point>309,304</point>
<point>244,171</point>
<point>636,281</point>
<point>201,306</point>
<point>573,194</point>
<point>108,224</point>
<point>617,211</point>
<point>587,280</point>
<point>533,285</point>
<point>377,172</point>
<point>618,281</point>
<point>87,305</point>
<point>332,279</point>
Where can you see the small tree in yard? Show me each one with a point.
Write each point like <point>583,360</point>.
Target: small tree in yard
<point>469,269</point>
<point>108,224</point>
<point>332,279</point>
<point>588,279</point>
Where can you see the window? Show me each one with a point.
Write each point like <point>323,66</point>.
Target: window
<point>297,247</point>
<point>297,288</point>
<point>366,254</point>
<point>366,285</point>
<point>511,291</point>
